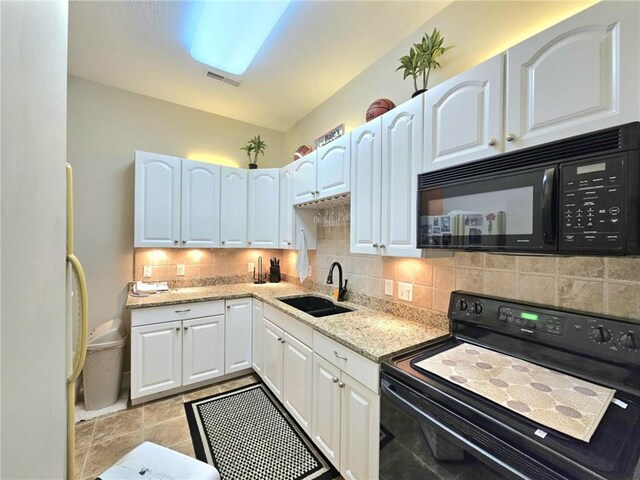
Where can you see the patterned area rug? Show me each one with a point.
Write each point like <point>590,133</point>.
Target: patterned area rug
<point>555,400</point>
<point>247,435</point>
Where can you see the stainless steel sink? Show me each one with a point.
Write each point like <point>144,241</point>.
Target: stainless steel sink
<point>315,306</point>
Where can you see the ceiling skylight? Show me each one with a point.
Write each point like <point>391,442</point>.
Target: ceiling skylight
<point>229,34</point>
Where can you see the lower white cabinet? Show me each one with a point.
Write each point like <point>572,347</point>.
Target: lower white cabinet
<point>238,334</point>
<point>325,430</point>
<point>203,347</point>
<point>273,365</point>
<point>256,344</point>
<point>297,378</point>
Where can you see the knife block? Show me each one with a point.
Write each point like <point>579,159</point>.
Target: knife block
<point>274,274</point>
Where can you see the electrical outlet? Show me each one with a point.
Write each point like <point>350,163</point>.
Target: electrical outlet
<point>251,266</point>
<point>180,269</point>
<point>147,271</point>
<point>405,291</point>
<point>388,287</point>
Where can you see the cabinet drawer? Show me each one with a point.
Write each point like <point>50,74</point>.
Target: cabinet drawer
<point>170,313</point>
<point>362,369</point>
<point>292,326</point>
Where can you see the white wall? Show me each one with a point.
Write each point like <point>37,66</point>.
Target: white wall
<point>32,329</point>
<point>105,126</point>
<point>478,29</point>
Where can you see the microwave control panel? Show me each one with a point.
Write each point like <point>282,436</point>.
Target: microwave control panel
<point>592,203</point>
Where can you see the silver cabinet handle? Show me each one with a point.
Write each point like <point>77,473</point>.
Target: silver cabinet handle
<point>339,356</point>
<point>186,327</point>
<point>375,245</point>
<point>288,243</point>
<point>341,384</point>
<point>282,341</point>
<point>279,339</point>
<point>183,311</point>
<point>175,242</point>
<point>492,142</point>
<point>222,242</point>
<point>510,137</point>
<point>334,379</point>
<point>184,241</point>
<point>177,329</point>
<point>317,192</point>
<point>228,307</point>
<point>382,245</point>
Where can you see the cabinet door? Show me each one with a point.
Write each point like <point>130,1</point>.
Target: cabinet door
<point>333,168</point>
<point>233,207</point>
<point>156,358</point>
<point>200,204</point>
<point>272,368</point>
<point>304,178</point>
<point>238,326</point>
<point>325,423</point>
<point>257,340</point>
<point>297,382</point>
<point>463,117</point>
<point>366,187</point>
<point>360,434</point>
<point>578,76</point>
<point>286,220</point>
<point>156,200</point>
<point>402,136</point>
<point>264,197</point>
<point>203,349</point>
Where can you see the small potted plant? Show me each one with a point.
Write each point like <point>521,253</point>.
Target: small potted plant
<point>256,146</point>
<point>422,58</point>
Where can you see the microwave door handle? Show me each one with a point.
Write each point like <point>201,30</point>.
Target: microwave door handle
<point>548,187</point>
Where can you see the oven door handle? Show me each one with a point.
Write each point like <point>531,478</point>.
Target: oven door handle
<point>548,213</point>
<point>408,407</point>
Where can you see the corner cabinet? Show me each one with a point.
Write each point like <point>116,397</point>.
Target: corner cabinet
<point>233,214</point>
<point>578,76</point>
<point>238,333</point>
<point>264,198</point>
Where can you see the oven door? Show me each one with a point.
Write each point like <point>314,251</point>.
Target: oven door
<point>513,211</point>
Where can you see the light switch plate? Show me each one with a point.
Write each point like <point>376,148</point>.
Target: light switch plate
<point>388,287</point>
<point>147,271</point>
<point>405,291</point>
<point>251,266</point>
<point>180,270</point>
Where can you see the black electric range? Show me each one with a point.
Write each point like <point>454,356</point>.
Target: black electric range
<point>452,420</point>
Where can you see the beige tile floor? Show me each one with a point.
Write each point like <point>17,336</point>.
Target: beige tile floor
<point>102,441</point>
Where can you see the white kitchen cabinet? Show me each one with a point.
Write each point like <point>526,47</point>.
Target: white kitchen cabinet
<point>233,214</point>
<point>238,328</point>
<point>292,220</point>
<point>200,204</point>
<point>297,380</point>
<point>273,366</point>
<point>333,168</point>
<point>257,341</point>
<point>305,178</point>
<point>325,427</point>
<point>264,198</point>
<point>156,200</point>
<point>463,117</point>
<point>156,358</point>
<point>578,76</point>
<point>402,136</point>
<point>203,349</point>
<point>366,187</point>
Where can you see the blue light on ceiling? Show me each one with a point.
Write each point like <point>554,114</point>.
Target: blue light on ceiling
<point>228,34</point>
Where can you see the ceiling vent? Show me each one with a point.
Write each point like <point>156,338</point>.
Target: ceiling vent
<point>222,78</point>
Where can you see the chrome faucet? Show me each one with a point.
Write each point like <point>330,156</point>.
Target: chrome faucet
<point>342,290</point>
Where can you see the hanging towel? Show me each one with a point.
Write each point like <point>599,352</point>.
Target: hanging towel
<point>302,264</point>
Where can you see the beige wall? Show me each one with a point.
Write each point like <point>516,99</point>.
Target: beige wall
<point>478,29</point>
<point>105,126</point>
<point>33,345</point>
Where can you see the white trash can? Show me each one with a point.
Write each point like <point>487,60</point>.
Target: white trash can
<point>102,371</point>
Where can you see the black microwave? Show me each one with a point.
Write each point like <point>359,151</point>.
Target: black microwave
<point>578,196</point>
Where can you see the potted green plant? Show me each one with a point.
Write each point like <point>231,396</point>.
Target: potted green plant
<point>256,146</point>
<point>422,58</point>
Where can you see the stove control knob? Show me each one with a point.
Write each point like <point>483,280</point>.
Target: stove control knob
<point>476,308</point>
<point>600,334</point>
<point>462,305</point>
<point>628,340</point>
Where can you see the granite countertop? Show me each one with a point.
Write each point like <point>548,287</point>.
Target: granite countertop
<point>374,334</point>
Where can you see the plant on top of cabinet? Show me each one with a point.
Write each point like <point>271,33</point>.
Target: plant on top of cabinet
<point>423,56</point>
<point>255,146</point>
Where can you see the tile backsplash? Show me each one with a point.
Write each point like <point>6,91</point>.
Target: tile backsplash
<point>601,285</point>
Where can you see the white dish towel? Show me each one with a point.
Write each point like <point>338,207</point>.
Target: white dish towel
<point>302,264</point>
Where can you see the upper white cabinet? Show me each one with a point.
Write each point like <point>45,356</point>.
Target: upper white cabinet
<point>463,117</point>
<point>200,204</point>
<point>264,198</point>
<point>233,214</point>
<point>238,332</point>
<point>323,173</point>
<point>580,75</point>
<point>293,221</point>
<point>157,200</point>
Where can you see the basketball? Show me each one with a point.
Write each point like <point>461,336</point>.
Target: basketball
<point>380,106</point>
<point>302,151</point>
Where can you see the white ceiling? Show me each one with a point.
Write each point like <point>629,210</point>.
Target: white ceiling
<point>318,47</point>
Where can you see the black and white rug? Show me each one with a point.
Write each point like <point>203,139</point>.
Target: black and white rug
<point>247,435</point>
